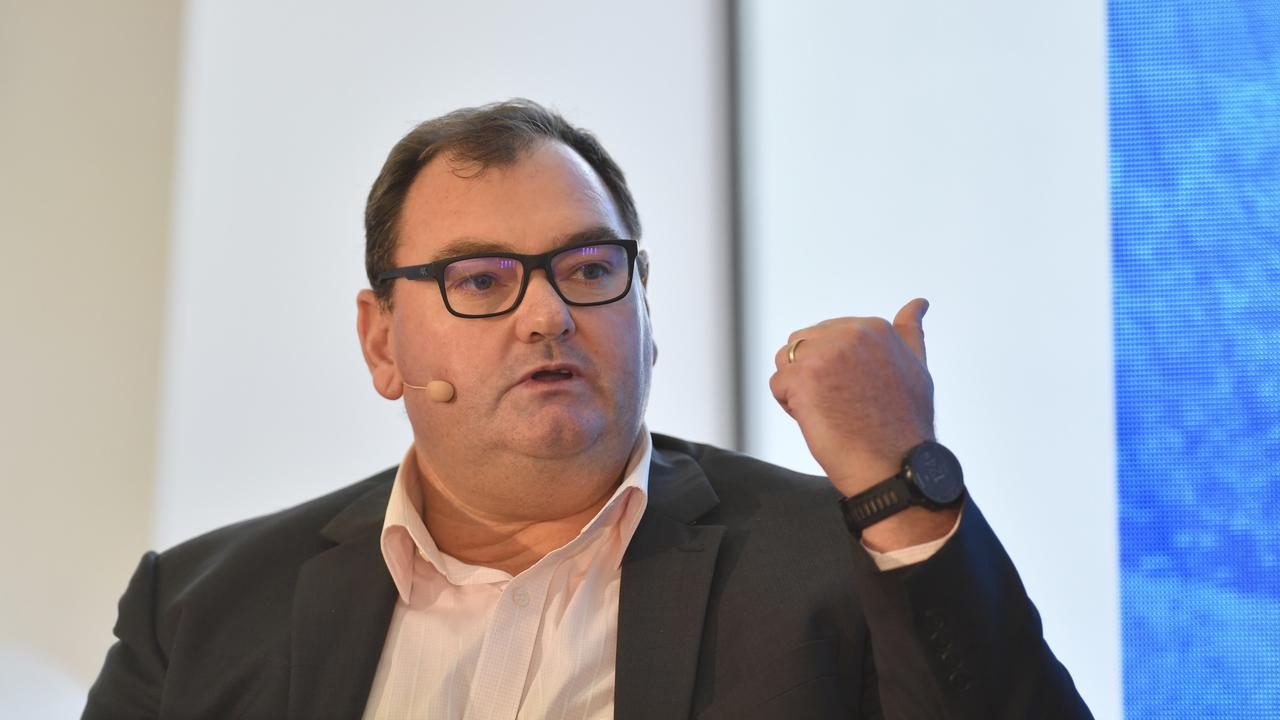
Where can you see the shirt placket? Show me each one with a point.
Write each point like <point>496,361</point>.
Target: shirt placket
<point>507,652</point>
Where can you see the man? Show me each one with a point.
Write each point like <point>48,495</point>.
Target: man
<point>538,553</point>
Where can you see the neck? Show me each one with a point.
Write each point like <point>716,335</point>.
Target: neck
<point>512,514</point>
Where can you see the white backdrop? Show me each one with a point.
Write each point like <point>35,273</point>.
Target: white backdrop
<point>956,151</point>
<point>287,114</point>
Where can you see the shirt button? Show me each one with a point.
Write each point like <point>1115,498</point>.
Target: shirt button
<point>520,597</point>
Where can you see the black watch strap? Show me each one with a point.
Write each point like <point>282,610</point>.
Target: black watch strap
<point>876,503</point>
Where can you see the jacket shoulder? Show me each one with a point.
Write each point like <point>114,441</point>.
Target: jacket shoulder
<point>273,544</point>
<point>308,516</point>
<point>749,485</point>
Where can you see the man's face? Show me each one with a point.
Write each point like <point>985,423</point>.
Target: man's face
<point>502,405</point>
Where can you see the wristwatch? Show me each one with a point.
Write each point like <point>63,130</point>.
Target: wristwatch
<point>930,477</point>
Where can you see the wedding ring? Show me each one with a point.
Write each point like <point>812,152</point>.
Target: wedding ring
<point>791,351</point>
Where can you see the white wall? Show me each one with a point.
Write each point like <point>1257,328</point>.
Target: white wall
<point>956,151</point>
<point>288,111</point>
<point>87,113</point>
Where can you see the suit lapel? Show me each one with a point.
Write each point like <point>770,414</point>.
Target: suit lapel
<point>341,609</point>
<point>666,578</point>
<point>345,598</point>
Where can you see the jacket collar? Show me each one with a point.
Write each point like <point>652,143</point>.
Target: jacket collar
<point>345,598</point>
<point>666,580</point>
<point>342,606</point>
<point>678,488</point>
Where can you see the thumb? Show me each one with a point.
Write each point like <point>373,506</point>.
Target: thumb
<point>908,323</point>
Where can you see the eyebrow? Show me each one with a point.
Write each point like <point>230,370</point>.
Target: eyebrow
<point>474,246</point>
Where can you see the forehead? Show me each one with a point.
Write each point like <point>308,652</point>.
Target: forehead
<point>531,205</point>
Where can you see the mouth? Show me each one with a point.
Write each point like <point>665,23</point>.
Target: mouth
<point>552,374</point>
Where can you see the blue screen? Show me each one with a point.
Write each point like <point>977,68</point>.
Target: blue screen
<point>1195,174</point>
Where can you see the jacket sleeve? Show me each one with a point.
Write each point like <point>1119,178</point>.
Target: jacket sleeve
<point>129,684</point>
<point>956,636</point>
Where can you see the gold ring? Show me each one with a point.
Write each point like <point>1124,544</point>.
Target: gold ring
<point>791,351</point>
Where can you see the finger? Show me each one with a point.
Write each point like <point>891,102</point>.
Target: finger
<point>909,324</point>
<point>779,390</point>
<point>782,358</point>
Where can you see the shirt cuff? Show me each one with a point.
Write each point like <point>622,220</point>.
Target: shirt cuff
<point>903,557</point>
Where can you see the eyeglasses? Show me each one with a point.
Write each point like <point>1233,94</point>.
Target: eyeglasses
<point>488,284</point>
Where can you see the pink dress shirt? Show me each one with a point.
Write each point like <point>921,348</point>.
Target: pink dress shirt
<point>467,641</point>
<point>473,642</point>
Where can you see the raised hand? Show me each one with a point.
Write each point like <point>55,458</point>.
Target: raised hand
<point>859,387</point>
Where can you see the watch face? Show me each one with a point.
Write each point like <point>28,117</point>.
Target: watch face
<point>936,471</point>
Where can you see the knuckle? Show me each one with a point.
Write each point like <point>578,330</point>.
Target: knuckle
<point>871,330</point>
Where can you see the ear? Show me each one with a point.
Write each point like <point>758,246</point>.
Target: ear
<point>642,264</point>
<point>374,326</point>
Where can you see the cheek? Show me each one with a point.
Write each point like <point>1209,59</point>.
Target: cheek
<point>471,363</point>
<point>631,348</point>
<point>424,351</point>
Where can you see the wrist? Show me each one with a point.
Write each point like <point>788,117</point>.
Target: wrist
<point>913,526</point>
<point>907,507</point>
<point>866,475</point>
<point>867,466</point>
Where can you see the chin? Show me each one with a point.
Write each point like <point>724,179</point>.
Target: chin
<point>558,434</point>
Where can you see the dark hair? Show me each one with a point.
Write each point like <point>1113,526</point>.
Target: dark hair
<point>476,138</point>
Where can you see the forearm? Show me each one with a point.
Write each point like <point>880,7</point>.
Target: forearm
<point>956,635</point>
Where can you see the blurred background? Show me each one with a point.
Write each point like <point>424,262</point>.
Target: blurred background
<point>1088,193</point>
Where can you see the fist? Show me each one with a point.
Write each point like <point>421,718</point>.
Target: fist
<point>861,392</point>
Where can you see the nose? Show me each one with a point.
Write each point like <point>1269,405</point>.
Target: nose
<point>542,314</point>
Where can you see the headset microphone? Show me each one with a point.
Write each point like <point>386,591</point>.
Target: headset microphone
<point>438,390</point>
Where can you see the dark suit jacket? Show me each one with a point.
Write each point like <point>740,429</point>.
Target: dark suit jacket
<point>742,596</point>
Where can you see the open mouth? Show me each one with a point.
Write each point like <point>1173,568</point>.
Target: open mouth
<point>552,375</point>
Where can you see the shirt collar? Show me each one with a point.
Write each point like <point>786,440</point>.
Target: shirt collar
<point>404,534</point>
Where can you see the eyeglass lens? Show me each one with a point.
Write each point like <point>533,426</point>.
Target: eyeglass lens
<point>590,274</point>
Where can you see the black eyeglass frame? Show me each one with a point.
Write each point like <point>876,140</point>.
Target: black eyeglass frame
<point>435,271</point>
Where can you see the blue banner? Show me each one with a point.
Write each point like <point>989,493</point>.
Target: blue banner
<point>1195,175</point>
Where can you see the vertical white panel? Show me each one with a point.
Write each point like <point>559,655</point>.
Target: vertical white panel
<point>958,152</point>
<point>289,110</point>
<point>88,92</point>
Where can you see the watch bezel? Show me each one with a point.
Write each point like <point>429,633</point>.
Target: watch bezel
<point>921,467</point>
